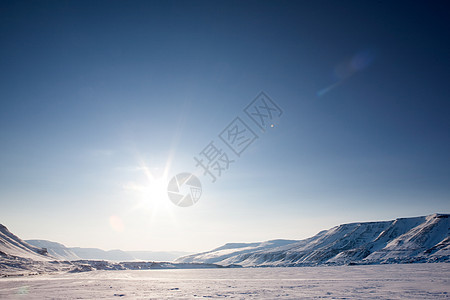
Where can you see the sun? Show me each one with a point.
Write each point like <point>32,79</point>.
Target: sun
<point>149,189</point>
<point>146,202</point>
<point>155,187</point>
<point>156,191</point>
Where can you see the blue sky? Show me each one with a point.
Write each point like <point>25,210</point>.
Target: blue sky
<point>95,96</point>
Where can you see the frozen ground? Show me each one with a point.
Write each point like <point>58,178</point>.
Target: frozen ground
<point>407,281</point>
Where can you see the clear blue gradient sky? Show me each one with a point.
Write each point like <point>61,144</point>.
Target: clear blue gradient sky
<point>103,101</point>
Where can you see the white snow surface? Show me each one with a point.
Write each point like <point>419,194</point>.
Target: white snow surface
<point>400,281</point>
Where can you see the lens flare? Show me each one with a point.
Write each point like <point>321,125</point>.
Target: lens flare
<point>116,223</point>
<point>347,69</point>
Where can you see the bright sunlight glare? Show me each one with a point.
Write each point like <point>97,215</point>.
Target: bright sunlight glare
<point>151,191</point>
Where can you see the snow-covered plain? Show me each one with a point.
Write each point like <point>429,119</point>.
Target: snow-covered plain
<point>402,281</point>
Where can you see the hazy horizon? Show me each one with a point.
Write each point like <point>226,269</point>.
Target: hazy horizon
<point>104,102</point>
<point>204,250</point>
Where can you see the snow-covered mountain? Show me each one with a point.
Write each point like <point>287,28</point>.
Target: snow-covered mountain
<point>99,254</point>
<point>57,250</point>
<point>18,257</point>
<point>120,255</point>
<point>232,249</point>
<point>62,252</point>
<point>13,246</point>
<point>419,239</point>
<point>404,240</point>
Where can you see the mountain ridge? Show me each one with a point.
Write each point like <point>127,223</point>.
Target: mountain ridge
<point>13,246</point>
<point>19,258</point>
<point>403,240</point>
<point>61,252</point>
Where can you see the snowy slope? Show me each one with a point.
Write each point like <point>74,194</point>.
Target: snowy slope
<point>420,239</point>
<point>12,246</point>
<point>18,257</point>
<point>56,250</point>
<point>232,249</point>
<point>429,238</point>
<point>61,252</point>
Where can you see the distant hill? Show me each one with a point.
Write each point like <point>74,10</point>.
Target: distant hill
<point>232,249</point>
<point>404,240</point>
<point>157,255</point>
<point>57,250</point>
<point>19,257</point>
<point>61,252</point>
